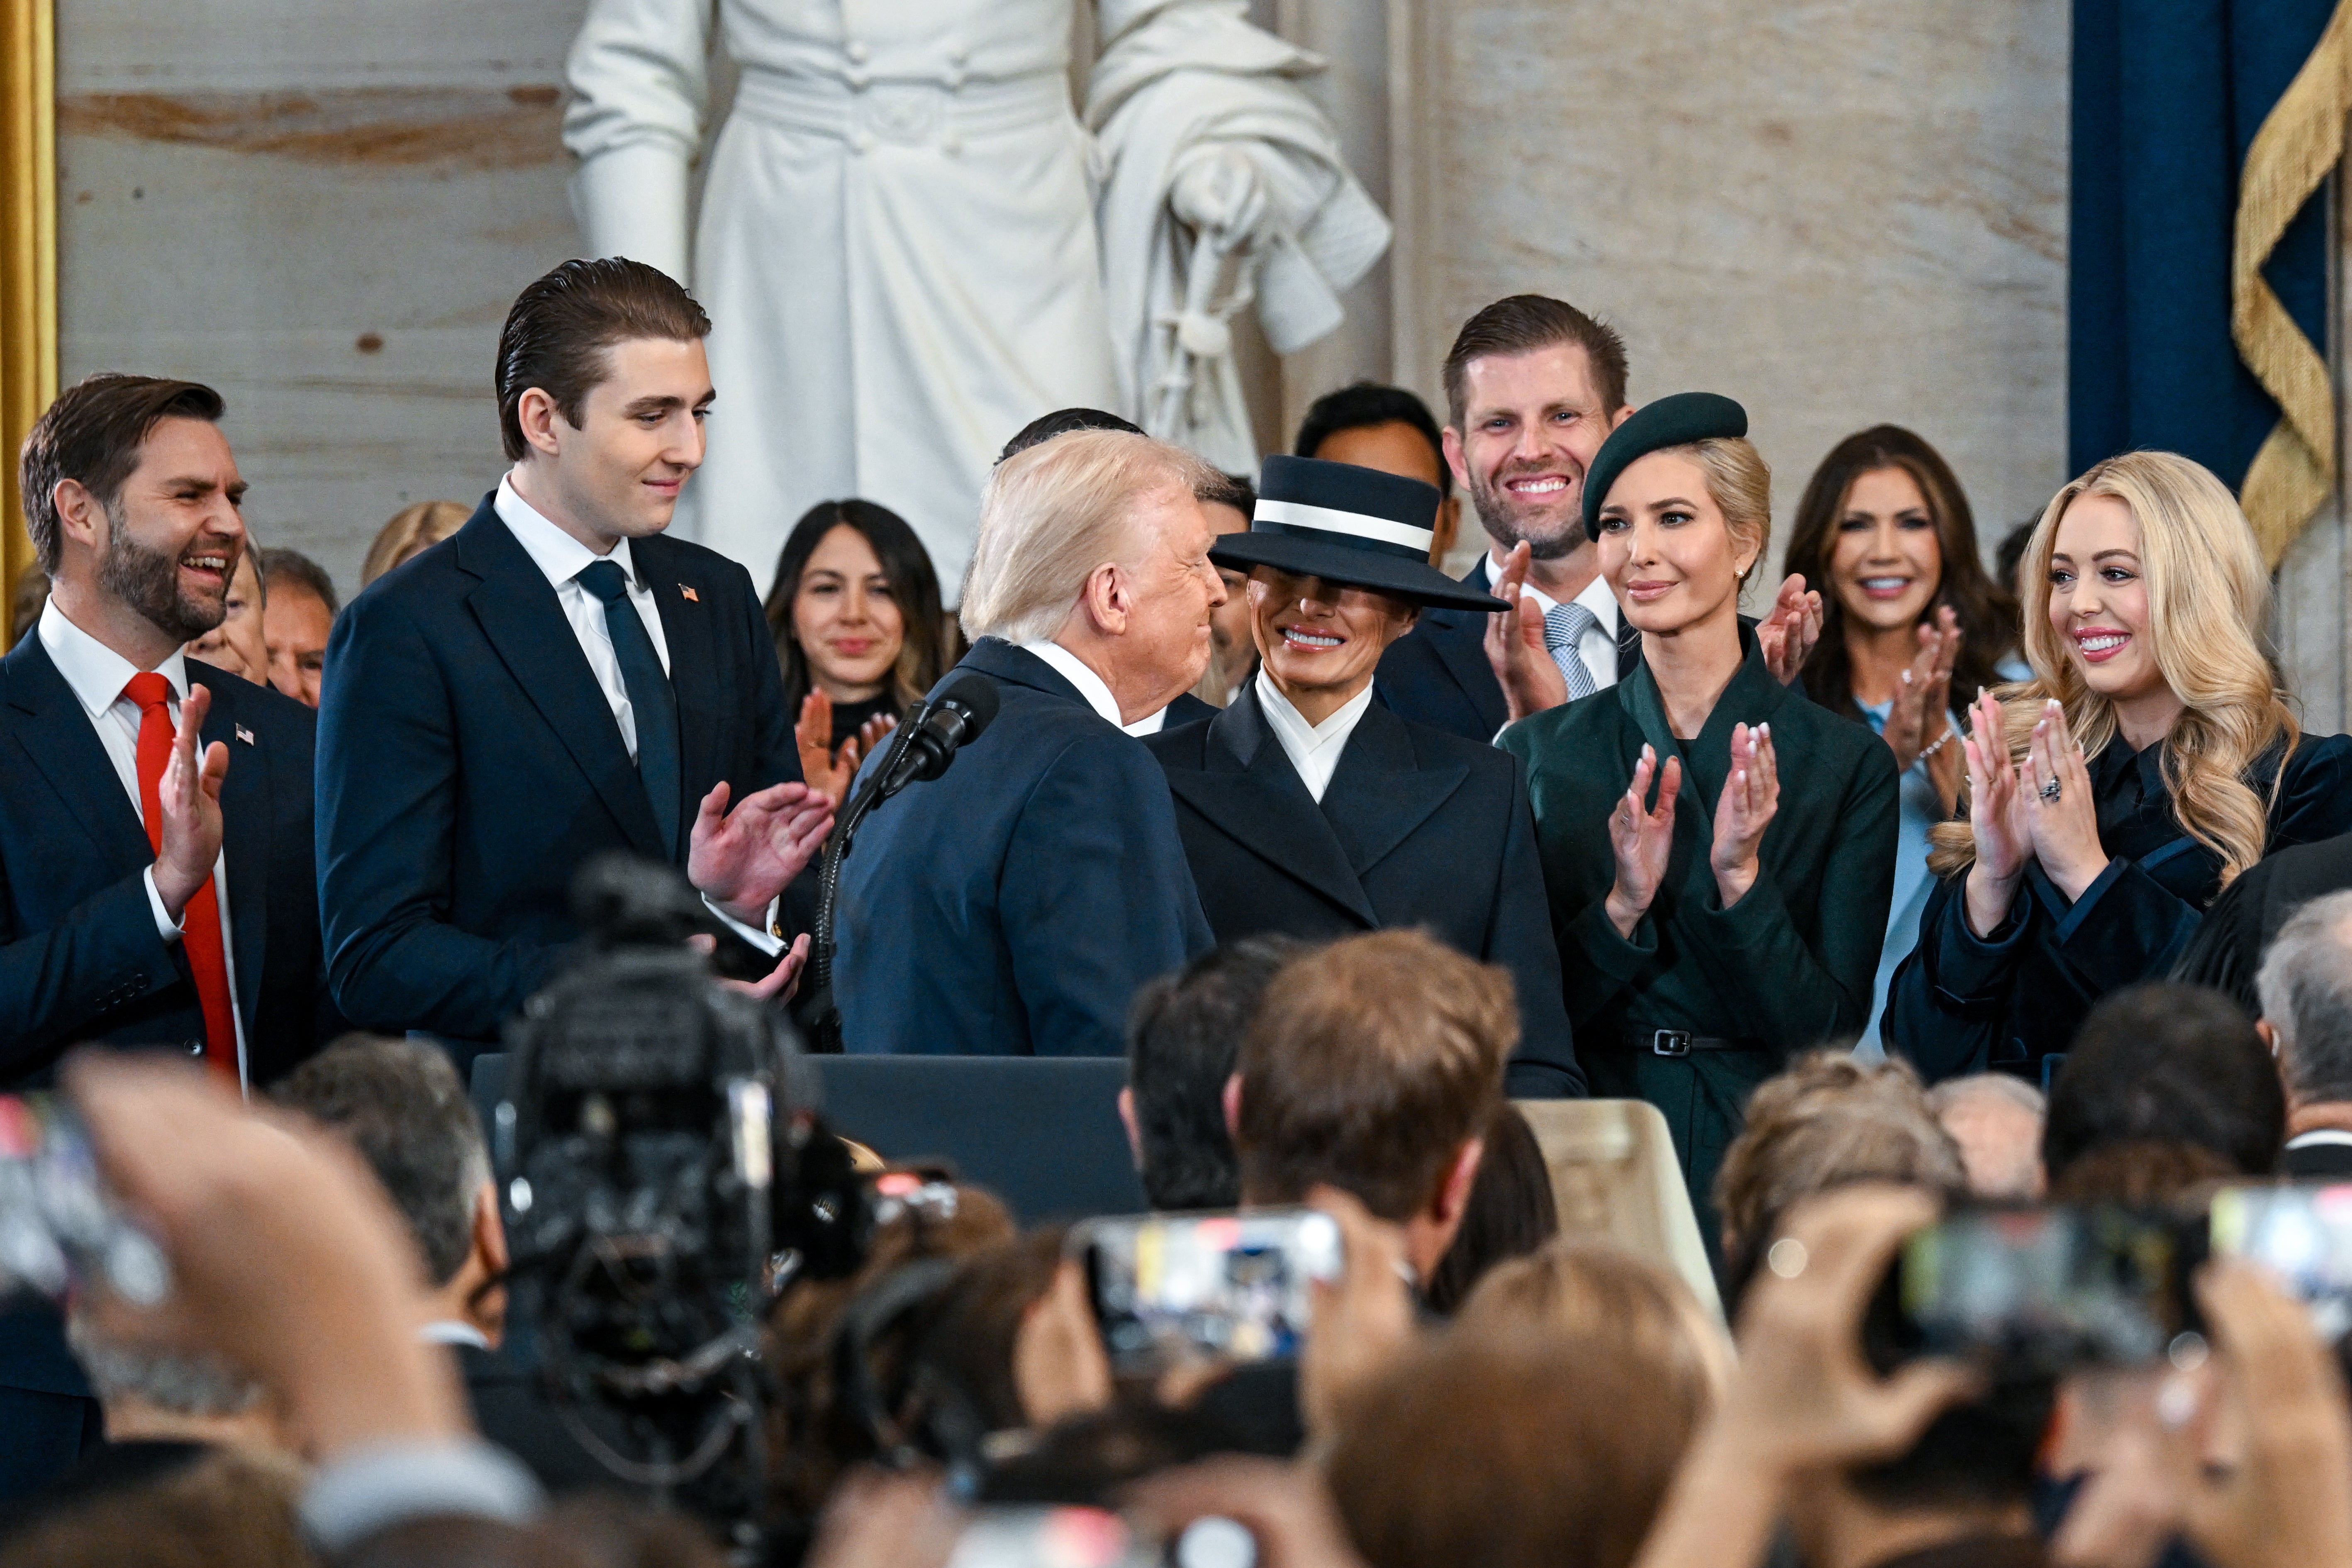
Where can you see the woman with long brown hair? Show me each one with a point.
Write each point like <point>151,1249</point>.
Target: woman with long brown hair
<point>2150,760</point>
<point>1907,612</point>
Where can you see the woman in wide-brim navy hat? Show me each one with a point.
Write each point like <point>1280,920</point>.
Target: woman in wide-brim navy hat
<point>1308,809</point>
<point>1718,850</point>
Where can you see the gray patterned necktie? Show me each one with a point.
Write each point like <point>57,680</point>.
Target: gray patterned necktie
<point>1564,626</point>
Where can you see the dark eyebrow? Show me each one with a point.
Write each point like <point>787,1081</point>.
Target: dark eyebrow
<point>654,404</point>
<point>2127,554</point>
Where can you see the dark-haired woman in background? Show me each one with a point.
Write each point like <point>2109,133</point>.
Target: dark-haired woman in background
<point>856,612</point>
<point>1907,613</point>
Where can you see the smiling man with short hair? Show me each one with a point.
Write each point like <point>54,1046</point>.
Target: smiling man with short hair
<point>556,680</point>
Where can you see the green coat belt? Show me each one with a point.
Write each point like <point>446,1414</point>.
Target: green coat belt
<point>1790,966</point>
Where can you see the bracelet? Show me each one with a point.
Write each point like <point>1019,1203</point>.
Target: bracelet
<point>1941,742</point>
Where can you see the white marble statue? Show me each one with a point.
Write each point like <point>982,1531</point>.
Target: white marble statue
<point>909,245</point>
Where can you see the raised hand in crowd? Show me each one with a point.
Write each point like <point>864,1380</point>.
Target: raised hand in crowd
<point>1923,696</point>
<point>2061,816</point>
<point>1642,839</point>
<point>1362,1320</point>
<point>827,771</point>
<point>1059,1366</point>
<point>189,798</point>
<point>1522,661</point>
<point>1750,797</point>
<point>1997,821</point>
<point>1788,634</point>
<point>1804,1399</point>
<point>287,1260</point>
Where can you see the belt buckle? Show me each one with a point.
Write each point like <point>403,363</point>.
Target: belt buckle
<point>1670,1042</point>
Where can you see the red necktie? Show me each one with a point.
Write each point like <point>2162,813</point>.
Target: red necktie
<point>200,923</point>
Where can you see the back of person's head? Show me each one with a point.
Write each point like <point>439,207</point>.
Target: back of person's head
<point>1055,512</point>
<point>1595,1299</point>
<point>412,530</point>
<point>2167,1063</point>
<point>1064,422</point>
<point>1830,1120</point>
<point>400,1104</point>
<point>1369,1065</point>
<point>1478,1450</point>
<point>559,327</point>
<point>1511,1211</point>
<point>232,1508</point>
<point>1365,406</point>
<point>1996,1120</point>
<point>1524,324</point>
<point>286,569</point>
<point>2140,1174</point>
<point>1183,1035</point>
<point>92,434</point>
<point>2306,986</point>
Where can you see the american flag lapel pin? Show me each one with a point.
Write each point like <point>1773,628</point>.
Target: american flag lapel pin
<point>689,593</point>
<point>245,734</point>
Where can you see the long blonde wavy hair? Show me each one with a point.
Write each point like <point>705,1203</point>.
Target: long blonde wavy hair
<point>2208,595</point>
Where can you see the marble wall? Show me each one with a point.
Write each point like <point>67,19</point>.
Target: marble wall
<point>1837,211</point>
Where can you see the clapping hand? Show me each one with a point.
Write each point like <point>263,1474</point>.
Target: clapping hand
<point>2060,816</point>
<point>824,769</point>
<point>1642,839</point>
<point>1751,798</point>
<point>1788,634</point>
<point>742,860</point>
<point>1996,817</point>
<point>1516,648</point>
<point>1923,693</point>
<point>189,797</point>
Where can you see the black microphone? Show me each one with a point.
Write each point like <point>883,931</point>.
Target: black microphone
<point>953,719</point>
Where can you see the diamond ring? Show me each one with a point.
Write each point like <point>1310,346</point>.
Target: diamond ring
<point>2050,792</point>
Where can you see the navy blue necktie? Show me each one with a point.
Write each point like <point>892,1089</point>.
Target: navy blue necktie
<point>651,700</point>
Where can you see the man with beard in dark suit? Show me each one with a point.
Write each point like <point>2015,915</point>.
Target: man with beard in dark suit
<point>156,884</point>
<point>1014,905</point>
<point>1533,387</point>
<point>1307,810</point>
<point>556,680</point>
<point>2306,986</point>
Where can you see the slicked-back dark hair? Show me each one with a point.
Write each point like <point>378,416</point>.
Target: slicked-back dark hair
<point>1522,324</point>
<point>403,1108</point>
<point>1364,406</point>
<point>1183,1035</point>
<point>92,434</point>
<point>557,333</point>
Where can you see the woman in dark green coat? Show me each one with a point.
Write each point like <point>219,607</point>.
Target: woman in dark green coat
<point>1712,928</point>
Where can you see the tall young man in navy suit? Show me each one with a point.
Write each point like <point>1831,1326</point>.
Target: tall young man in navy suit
<point>156,885</point>
<point>555,680</point>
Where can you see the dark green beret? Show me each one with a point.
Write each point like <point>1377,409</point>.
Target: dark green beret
<point>1675,421</point>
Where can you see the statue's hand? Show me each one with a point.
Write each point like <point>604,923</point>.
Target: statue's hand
<point>1219,189</point>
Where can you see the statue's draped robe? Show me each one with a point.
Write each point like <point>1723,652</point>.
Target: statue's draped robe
<point>898,235</point>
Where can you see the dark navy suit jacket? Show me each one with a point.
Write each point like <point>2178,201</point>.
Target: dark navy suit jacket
<point>79,958</point>
<point>469,765</point>
<point>1013,906</point>
<point>1437,673</point>
<point>1417,828</point>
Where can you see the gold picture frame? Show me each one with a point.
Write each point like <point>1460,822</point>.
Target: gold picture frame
<point>28,259</point>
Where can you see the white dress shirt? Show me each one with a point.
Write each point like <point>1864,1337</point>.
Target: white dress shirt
<point>2319,1136</point>
<point>1313,749</point>
<point>562,558</point>
<point>1598,645</point>
<point>97,675</point>
<point>1092,687</point>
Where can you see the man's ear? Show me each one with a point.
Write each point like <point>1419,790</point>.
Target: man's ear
<point>1127,1119</point>
<point>489,1231</point>
<point>2269,1031</point>
<point>1104,600</point>
<point>1450,441</point>
<point>541,419</point>
<point>1622,416</point>
<point>1233,1108</point>
<point>1448,524</point>
<point>79,515</point>
<point>1453,1191</point>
